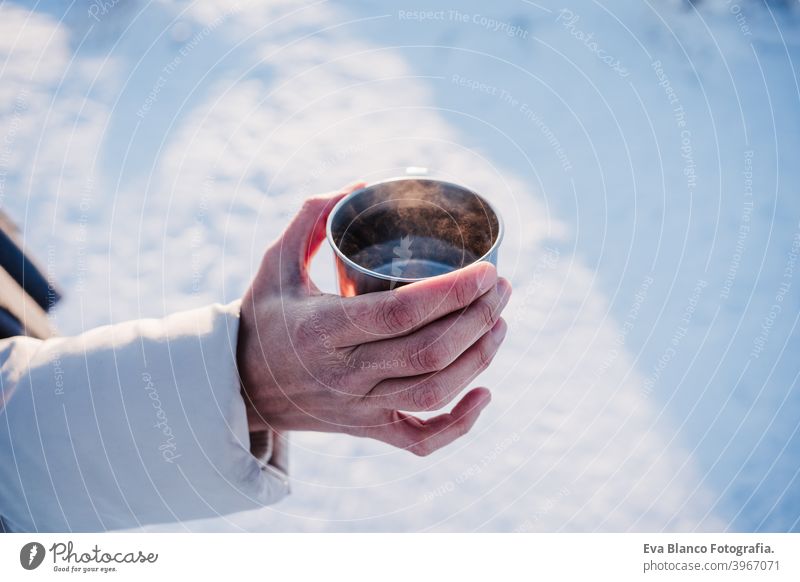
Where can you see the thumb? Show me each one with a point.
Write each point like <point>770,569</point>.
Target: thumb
<point>286,262</point>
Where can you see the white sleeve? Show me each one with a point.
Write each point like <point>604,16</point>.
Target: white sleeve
<point>131,424</point>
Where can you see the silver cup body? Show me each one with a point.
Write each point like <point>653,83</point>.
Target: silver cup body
<point>403,230</point>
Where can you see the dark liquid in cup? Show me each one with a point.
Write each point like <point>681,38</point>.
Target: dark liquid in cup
<point>409,229</point>
<point>413,257</point>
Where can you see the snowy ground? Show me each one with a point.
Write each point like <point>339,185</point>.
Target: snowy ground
<point>644,155</point>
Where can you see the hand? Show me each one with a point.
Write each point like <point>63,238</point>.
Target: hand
<point>313,361</point>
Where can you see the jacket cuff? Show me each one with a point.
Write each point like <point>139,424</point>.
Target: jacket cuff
<point>269,447</point>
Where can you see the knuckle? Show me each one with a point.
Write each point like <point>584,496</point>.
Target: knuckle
<point>395,314</point>
<point>434,356</point>
<point>427,396</point>
<point>460,429</point>
<point>488,313</point>
<point>461,290</point>
<point>416,356</point>
<point>442,354</point>
<point>426,356</point>
<point>485,356</point>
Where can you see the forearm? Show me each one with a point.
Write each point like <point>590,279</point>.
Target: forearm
<point>136,423</point>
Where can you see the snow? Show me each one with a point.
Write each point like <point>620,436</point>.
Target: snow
<point>643,155</point>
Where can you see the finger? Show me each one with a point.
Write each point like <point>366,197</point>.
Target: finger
<point>285,264</point>
<point>378,316</point>
<point>433,391</point>
<point>436,345</point>
<point>422,437</point>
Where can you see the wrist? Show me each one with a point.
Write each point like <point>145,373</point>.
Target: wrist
<point>244,361</point>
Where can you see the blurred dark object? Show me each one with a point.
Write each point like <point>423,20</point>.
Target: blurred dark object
<point>25,293</point>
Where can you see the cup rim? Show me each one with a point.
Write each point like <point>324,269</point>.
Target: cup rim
<point>338,252</point>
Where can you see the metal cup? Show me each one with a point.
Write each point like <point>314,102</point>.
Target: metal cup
<point>402,230</point>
